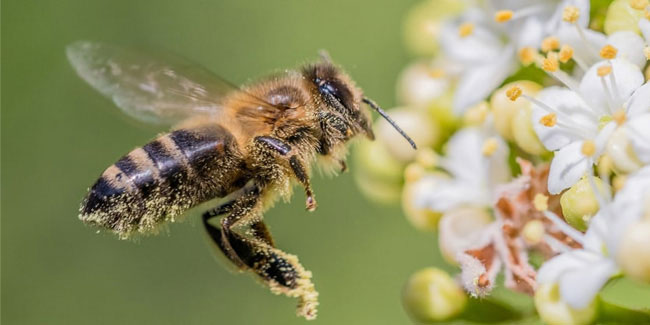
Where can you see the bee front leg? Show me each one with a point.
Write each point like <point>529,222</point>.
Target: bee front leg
<point>297,166</point>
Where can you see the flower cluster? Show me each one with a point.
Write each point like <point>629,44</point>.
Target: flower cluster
<point>533,126</point>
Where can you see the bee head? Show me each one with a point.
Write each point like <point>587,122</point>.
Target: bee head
<point>342,98</point>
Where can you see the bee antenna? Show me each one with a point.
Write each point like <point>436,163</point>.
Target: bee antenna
<point>390,120</point>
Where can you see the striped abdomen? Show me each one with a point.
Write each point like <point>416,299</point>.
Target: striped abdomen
<point>164,178</point>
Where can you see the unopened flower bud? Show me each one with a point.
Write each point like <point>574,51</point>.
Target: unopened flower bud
<point>552,310</point>
<point>634,251</point>
<point>431,295</point>
<point>421,218</point>
<point>505,109</point>
<point>622,17</point>
<point>419,84</point>
<point>417,125</point>
<point>620,150</point>
<point>579,203</point>
<point>524,134</point>
<point>377,173</point>
<point>424,22</point>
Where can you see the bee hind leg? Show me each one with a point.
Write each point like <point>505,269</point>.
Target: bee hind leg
<point>246,241</point>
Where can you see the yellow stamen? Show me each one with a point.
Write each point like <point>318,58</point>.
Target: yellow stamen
<point>527,55</point>
<point>503,15</point>
<point>540,202</point>
<point>513,93</point>
<point>566,53</point>
<point>618,182</point>
<point>490,146</point>
<point>646,52</point>
<point>608,52</point>
<point>427,158</point>
<point>619,116</point>
<point>550,43</point>
<point>550,63</point>
<point>604,70</point>
<point>571,14</point>
<point>477,114</point>
<point>436,73</point>
<point>465,29</point>
<point>548,120</point>
<point>588,148</point>
<point>638,4</point>
<point>533,232</point>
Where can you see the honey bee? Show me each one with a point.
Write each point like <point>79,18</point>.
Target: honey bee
<point>246,145</point>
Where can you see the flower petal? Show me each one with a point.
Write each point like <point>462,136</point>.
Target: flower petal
<point>639,102</point>
<point>630,47</point>
<point>440,195</point>
<point>571,105</point>
<point>579,287</point>
<point>583,50</point>
<point>628,78</point>
<point>638,132</point>
<point>567,167</point>
<point>553,269</point>
<point>478,81</point>
<point>481,46</point>
<point>644,26</point>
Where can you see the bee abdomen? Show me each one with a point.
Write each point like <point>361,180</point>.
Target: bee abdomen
<point>163,179</point>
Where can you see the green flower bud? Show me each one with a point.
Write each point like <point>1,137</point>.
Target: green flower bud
<point>416,124</point>
<point>377,190</point>
<point>579,203</point>
<point>524,134</point>
<point>377,173</point>
<point>620,150</point>
<point>504,109</point>
<point>621,16</point>
<point>634,251</point>
<point>431,295</point>
<point>420,83</point>
<point>424,22</point>
<point>552,310</point>
<point>421,219</point>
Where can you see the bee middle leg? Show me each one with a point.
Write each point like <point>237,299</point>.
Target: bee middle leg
<point>298,168</point>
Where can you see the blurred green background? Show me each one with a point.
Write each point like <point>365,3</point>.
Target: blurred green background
<point>58,135</point>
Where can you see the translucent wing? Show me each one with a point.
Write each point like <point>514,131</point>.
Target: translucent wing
<point>147,87</point>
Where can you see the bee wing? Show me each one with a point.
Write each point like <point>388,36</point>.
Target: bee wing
<point>151,88</point>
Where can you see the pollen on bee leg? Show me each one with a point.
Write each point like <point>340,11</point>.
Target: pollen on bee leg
<point>619,117</point>
<point>502,16</point>
<point>566,53</point>
<point>588,148</point>
<point>604,70</point>
<point>513,93</point>
<point>489,146</point>
<point>550,43</point>
<point>571,14</point>
<point>608,52</point>
<point>638,4</point>
<point>548,120</point>
<point>465,29</point>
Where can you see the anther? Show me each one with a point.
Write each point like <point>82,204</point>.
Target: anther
<point>436,73</point>
<point>638,4</point>
<point>550,63</point>
<point>513,93</point>
<point>604,70</point>
<point>502,16</point>
<point>566,53</point>
<point>527,55</point>
<point>588,148</point>
<point>533,232</point>
<point>608,52</point>
<point>540,202</point>
<point>619,117</point>
<point>550,43</point>
<point>548,120</point>
<point>571,14</point>
<point>489,147</point>
<point>465,29</point>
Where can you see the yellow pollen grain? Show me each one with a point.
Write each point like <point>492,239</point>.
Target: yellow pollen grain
<point>638,4</point>
<point>550,43</point>
<point>527,55</point>
<point>513,93</point>
<point>540,202</point>
<point>503,15</point>
<point>604,70</point>
<point>550,63</point>
<point>646,52</point>
<point>571,14</point>
<point>608,52</point>
<point>436,73</point>
<point>588,148</point>
<point>566,53</point>
<point>619,116</point>
<point>465,29</point>
<point>533,232</point>
<point>548,120</point>
<point>489,147</point>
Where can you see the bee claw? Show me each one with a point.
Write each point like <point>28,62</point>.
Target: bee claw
<point>311,204</point>
<point>344,166</point>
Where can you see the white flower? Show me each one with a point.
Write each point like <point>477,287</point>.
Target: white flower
<point>577,123</point>
<point>581,273</point>
<point>476,160</point>
<point>485,41</point>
